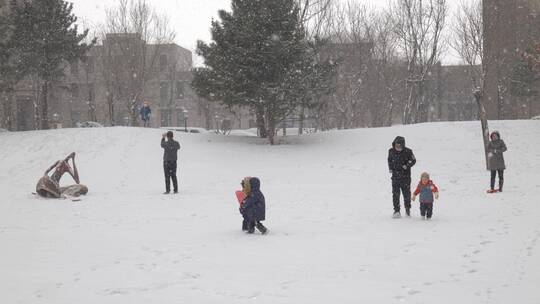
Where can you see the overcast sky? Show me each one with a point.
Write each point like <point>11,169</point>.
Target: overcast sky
<point>190,18</point>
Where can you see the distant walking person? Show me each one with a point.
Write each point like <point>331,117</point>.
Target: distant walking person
<point>145,113</point>
<point>496,165</point>
<point>170,156</point>
<point>400,161</point>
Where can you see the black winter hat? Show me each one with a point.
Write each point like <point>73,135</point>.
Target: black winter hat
<point>399,140</point>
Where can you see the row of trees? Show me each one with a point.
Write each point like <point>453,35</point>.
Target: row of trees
<point>37,38</point>
<point>277,58</point>
<point>399,51</point>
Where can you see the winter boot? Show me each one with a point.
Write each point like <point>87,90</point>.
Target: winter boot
<point>245,226</point>
<point>251,228</point>
<point>408,212</point>
<point>396,215</point>
<point>261,228</point>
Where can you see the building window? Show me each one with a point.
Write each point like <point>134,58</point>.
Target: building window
<point>74,91</point>
<point>76,117</point>
<point>180,89</point>
<point>165,118</point>
<point>164,94</point>
<point>74,68</point>
<point>162,62</point>
<point>90,64</point>
<point>91,92</point>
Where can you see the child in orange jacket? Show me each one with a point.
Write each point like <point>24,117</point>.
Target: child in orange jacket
<point>428,193</point>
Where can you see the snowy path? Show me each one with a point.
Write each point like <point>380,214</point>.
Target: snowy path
<point>332,238</point>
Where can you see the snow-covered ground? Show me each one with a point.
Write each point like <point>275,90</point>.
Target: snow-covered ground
<point>329,209</point>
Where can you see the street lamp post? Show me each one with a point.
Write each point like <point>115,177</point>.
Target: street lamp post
<point>56,120</point>
<point>217,123</point>
<point>185,120</point>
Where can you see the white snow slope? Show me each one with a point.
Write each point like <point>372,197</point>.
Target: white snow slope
<point>332,238</point>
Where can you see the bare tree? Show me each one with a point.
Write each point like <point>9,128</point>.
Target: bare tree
<point>136,33</point>
<point>385,67</point>
<point>468,38</point>
<point>314,14</point>
<point>348,47</point>
<point>468,42</point>
<point>419,26</point>
<point>89,76</point>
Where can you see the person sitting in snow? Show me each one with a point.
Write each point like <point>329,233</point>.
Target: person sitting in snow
<point>400,161</point>
<point>428,192</point>
<point>253,208</point>
<point>496,148</point>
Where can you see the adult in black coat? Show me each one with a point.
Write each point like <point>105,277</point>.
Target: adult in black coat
<point>170,157</point>
<point>254,207</point>
<point>400,161</point>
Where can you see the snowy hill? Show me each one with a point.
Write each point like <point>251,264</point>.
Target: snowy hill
<point>329,209</point>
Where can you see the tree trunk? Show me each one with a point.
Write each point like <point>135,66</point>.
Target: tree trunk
<point>483,121</point>
<point>110,104</point>
<point>271,130</point>
<point>423,105</point>
<point>261,125</point>
<point>7,110</point>
<point>134,115</point>
<point>407,112</point>
<point>45,106</point>
<point>301,121</point>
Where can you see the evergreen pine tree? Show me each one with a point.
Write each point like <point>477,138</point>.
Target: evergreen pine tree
<point>260,58</point>
<point>45,38</point>
<point>6,55</point>
<point>525,76</point>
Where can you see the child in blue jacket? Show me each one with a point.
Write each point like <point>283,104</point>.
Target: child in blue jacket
<point>253,208</point>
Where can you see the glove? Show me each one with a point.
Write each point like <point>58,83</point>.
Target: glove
<point>404,167</point>
<point>390,171</point>
<point>413,197</point>
<point>436,195</point>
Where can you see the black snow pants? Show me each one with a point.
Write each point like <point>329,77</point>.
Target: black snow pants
<point>501,179</point>
<point>169,167</point>
<point>426,209</point>
<point>401,185</point>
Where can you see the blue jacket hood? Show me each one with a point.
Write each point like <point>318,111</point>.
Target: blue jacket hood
<point>255,184</point>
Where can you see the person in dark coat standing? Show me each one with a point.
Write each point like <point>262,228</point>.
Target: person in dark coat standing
<point>170,156</point>
<point>145,113</point>
<point>254,207</point>
<point>496,165</point>
<point>400,161</point>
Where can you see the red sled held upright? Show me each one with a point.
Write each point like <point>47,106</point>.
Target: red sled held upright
<point>240,196</point>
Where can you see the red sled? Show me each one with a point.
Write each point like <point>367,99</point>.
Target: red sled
<point>240,196</point>
<point>493,191</point>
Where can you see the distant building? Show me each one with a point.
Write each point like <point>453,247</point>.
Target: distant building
<point>105,87</point>
<point>510,26</point>
<point>364,95</point>
<point>452,90</point>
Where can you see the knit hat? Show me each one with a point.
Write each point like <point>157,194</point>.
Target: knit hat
<point>246,186</point>
<point>425,174</point>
